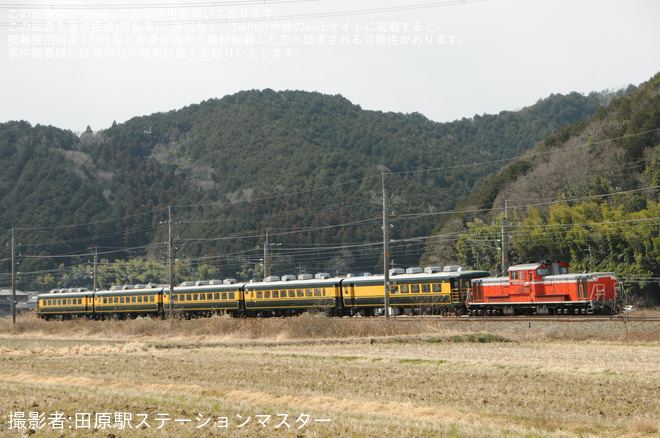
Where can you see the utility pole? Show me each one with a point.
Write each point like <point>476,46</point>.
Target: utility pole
<point>505,241</point>
<point>266,270</point>
<point>170,257</point>
<point>13,278</point>
<point>386,250</point>
<point>95,286</point>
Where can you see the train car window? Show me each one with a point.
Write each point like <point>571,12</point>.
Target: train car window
<point>121,299</point>
<point>151,298</point>
<point>231,295</point>
<point>292,293</point>
<point>317,292</point>
<point>105,300</point>
<point>267,294</point>
<point>260,294</point>
<point>209,296</point>
<point>300,293</point>
<point>414,288</point>
<point>59,302</point>
<point>404,288</point>
<point>174,298</point>
<point>216,296</point>
<point>224,295</point>
<point>195,297</point>
<point>426,288</point>
<point>140,299</point>
<point>276,294</point>
<point>134,299</point>
<point>79,300</point>
<point>188,297</point>
<point>437,287</point>
<point>308,293</point>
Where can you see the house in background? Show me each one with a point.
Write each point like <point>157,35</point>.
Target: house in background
<point>5,302</point>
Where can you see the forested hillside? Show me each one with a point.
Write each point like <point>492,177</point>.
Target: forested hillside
<point>588,195</point>
<point>304,166</point>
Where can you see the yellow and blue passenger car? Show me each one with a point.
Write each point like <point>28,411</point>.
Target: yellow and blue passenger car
<point>415,292</point>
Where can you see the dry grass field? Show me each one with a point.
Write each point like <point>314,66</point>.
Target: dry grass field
<point>313,376</point>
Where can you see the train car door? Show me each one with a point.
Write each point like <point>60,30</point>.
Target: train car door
<point>349,295</point>
<point>529,286</point>
<point>583,288</point>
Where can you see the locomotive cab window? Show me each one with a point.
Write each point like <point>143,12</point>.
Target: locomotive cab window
<point>437,287</point>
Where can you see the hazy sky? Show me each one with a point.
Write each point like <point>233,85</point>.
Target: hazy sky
<point>70,65</point>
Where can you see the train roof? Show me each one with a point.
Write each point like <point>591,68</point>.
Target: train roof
<point>416,278</point>
<point>132,291</point>
<point>531,266</point>
<point>293,284</point>
<point>208,287</point>
<point>53,294</point>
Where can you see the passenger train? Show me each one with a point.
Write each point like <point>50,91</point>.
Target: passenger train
<point>541,288</point>
<point>415,291</point>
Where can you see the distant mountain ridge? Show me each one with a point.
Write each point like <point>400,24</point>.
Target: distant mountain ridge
<point>588,194</point>
<point>312,161</point>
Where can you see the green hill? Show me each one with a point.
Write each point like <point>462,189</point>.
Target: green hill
<point>305,166</point>
<point>588,195</point>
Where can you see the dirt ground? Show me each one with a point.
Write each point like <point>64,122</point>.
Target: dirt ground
<point>449,379</point>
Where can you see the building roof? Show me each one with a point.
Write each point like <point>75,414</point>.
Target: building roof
<point>7,292</point>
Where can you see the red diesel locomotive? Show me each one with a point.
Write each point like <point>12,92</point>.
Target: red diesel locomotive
<point>545,288</point>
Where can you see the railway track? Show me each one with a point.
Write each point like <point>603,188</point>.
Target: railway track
<point>562,318</point>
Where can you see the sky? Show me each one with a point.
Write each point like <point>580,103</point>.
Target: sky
<point>73,64</point>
